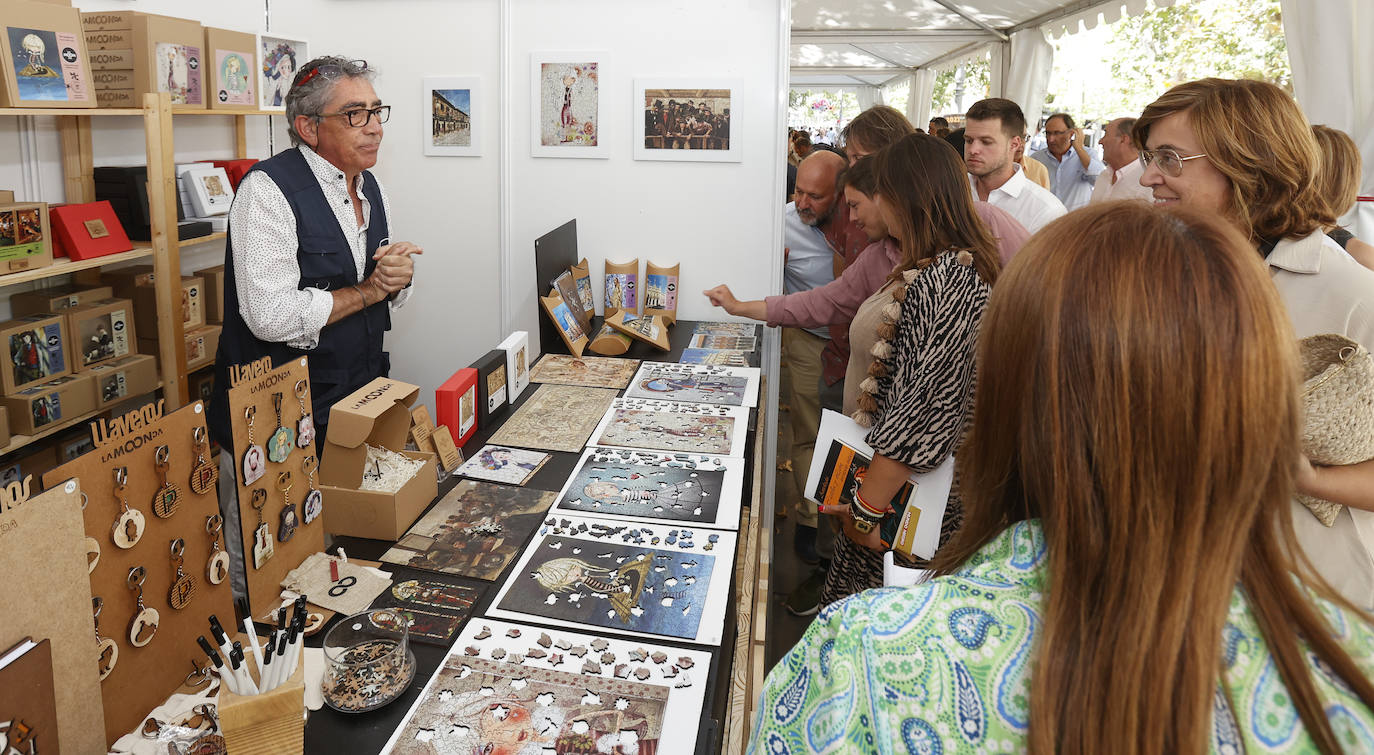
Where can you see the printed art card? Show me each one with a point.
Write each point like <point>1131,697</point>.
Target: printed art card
<point>640,579</point>
<point>513,466</point>
<point>451,106</point>
<point>672,426</point>
<point>655,486</point>
<point>698,384</point>
<point>566,108</point>
<point>507,687</point>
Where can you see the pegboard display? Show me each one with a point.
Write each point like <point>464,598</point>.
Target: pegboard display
<point>276,469</point>
<point>144,489</point>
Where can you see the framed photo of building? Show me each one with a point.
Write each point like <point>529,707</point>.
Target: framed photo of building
<point>451,104</point>
<point>565,104</point>
<point>686,120</point>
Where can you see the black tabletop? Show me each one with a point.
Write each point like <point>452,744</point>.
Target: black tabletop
<point>329,731</point>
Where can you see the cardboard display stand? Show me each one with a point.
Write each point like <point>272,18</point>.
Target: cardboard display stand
<point>650,330</point>
<point>142,677</point>
<point>255,386</point>
<point>574,337</point>
<point>660,291</point>
<point>46,595</point>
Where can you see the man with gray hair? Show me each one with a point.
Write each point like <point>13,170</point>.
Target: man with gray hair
<point>309,265</point>
<point>1121,179</point>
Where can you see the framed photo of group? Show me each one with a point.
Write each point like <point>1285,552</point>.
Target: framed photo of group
<point>686,120</point>
<point>452,104</point>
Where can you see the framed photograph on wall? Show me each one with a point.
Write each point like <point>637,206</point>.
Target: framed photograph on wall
<point>449,107</point>
<point>686,120</point>
<point>565,105</point>
<point>279,58</point>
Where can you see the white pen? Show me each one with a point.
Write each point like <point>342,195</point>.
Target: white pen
<point>225,677</point>
<point>253,643</point>
<point>242,678</point>
<point>287,667</point>
<point>221,639</point>
<point>269,669</point>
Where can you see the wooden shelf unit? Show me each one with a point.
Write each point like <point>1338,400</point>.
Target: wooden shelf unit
<point>78,169</point>
<point>19,441</point>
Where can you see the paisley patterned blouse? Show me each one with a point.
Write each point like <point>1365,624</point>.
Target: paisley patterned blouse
<point>944,667</point>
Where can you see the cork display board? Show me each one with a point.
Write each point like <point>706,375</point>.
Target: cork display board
<point>276,452</point>
<point>143,675</point>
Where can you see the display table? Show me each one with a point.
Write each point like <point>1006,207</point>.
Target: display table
<point>731,685</point>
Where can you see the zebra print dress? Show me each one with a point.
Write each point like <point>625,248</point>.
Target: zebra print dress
<point>925,399</point>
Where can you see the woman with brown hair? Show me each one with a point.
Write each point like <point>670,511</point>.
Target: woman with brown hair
<point>921,328</point>
<point>1121,582</point>
<point>1338,180</point>
<point>1243,151</point>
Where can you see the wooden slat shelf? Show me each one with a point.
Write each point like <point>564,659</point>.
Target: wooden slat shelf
<point>121,111</point>
<point>19,441</point>
<point>62,266</point>
<point>216,236</point>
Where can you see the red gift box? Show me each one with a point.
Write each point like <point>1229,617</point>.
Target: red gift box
<point>456,404</point>
<point>90,230</point>
<point>235,169</point>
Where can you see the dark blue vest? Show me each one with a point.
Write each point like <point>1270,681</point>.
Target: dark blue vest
<point>349,353</point>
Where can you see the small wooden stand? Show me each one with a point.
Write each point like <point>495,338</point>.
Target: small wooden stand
<point>272,723</point>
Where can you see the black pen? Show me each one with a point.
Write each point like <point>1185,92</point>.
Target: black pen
<point>219,664</point>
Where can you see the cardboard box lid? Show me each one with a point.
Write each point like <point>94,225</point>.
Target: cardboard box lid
<point>363,415</point>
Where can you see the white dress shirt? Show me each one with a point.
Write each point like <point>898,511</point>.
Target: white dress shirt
<point>1071,182</point>
<point>1127,185</point>
<point>1032,205</point>
<point>266,272</point>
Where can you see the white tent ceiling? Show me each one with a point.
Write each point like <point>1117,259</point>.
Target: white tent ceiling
<point>849,43</point>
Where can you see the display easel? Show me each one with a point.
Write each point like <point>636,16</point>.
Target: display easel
<point>254,387</point>
<point>143,677</point>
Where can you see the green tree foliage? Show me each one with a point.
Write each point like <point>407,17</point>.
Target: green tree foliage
<point>977,79</point>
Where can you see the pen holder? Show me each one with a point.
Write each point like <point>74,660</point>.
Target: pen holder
<point>273,722</point>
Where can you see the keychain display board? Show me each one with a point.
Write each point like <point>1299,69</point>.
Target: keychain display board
<point>144,675</point>
<point>46,597</point>
<point>254,390</point>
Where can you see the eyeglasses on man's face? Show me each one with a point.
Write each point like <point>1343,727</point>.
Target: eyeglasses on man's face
<point>359,117</point>
<point>1169,161</point>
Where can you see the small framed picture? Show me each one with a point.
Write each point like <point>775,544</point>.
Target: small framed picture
<point>211,193</point>
<point>566,112</point>
<point>451,106</point>
<point>278,60</point>
<point>686,120</point>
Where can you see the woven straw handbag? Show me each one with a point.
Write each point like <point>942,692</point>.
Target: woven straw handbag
<point>1338,396</point>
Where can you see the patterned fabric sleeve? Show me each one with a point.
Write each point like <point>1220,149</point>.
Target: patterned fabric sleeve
<point>927,397</point>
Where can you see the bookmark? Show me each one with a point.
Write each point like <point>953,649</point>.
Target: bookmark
<point>128,526</point>
<point>204,475</point>
<point>92,545</point>
<point>314,499</point>
<point>217,568</point>
<point>107,652</point>
<point>144,624</point>
<point>253,465</point>
<point>288,512</point>
<point>183,586</point>
<point>305,428</point>
<point>262,536</point>
<point>283,438</point>
<point>168,496</point>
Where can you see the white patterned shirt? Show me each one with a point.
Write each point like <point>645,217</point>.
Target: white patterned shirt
<point>266,273</point>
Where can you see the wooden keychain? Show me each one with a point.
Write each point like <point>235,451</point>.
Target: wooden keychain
<point>92,545</point>
<point>305,428</point>
<point>288,512</point>
<point>204,475</point>
<point>314,499</point>
<point>128,526</point>
<point>144,624</point>
<point>107,652</point>
<point>183,585</point>
<point>168,495</point>
<point>283,438</point>
<point>262,535</point>
<point>217,568</point>
<point>253,463</point>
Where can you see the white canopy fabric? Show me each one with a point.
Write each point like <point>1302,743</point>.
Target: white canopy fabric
<point>1331,49</point>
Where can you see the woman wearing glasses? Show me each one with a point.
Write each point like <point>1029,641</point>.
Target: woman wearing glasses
<point>309,264</point>
<point>1244,151</point>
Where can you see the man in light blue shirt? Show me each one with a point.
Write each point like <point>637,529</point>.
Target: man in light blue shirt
<point>1073,168</point>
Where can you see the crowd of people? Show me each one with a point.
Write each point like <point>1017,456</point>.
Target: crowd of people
<point>685,125</point>
<point>1130,558</point>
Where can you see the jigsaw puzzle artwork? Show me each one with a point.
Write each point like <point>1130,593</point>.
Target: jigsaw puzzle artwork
<point>431,610</point>
<point>703,385</point>
<point>556,418</point>
<point>474,530</point>
<point>713,328</point>
<point>517,689</point>
<point>724,357</point>
<point>594,372</point>
<point>623,577</point>
<point>718,343</point>
<point>651,486</point>
<point>673,426</point>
